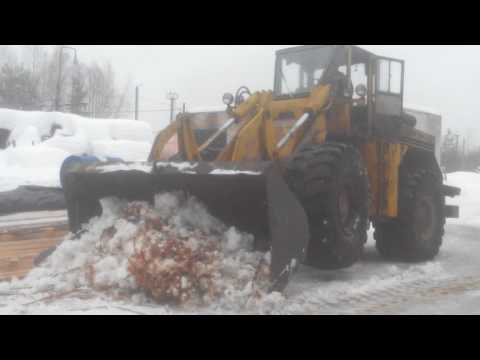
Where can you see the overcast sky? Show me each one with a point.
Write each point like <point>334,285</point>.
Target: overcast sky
<point>442,77</point>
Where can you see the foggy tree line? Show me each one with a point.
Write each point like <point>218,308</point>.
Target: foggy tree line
<point>455,156</point>
<point>29,80</point>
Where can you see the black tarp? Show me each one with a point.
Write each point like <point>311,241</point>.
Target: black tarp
<point>31,198</point>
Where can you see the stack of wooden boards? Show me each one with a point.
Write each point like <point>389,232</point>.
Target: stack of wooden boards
<point>24,236</point>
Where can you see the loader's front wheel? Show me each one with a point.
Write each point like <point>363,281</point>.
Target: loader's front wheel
<point>331,182</point>
<point>417,233</point>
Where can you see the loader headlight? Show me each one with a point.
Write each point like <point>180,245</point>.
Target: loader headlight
<point>228,99</point>
<point>361,90</point>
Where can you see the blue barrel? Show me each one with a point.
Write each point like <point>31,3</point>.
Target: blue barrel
<point>73,163</point>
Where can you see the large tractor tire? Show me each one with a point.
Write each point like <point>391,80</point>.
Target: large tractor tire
<point>331,182</point>
<point>417,234</point>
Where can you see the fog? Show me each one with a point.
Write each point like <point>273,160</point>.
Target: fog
<point>441,77</point>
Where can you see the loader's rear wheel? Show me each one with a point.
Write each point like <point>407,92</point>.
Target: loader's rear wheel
<point>417,233</point>
<point>331,182</point>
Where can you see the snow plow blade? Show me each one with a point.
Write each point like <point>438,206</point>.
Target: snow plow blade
<point>254,199</point>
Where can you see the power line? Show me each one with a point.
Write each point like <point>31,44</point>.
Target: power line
<point>132,111</point>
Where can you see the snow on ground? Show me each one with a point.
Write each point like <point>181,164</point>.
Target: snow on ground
<point>176,252</point>
<point>469,200</point>
<point>33,162</point>
<point>448,285</point>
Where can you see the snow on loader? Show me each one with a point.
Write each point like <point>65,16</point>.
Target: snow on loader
<point>305,168</point>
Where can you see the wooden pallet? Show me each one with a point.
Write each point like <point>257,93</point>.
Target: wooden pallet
<point>25,236</point>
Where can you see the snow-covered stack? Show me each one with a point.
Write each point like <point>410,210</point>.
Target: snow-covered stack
<point>174,252</point>
<point>40,142</point>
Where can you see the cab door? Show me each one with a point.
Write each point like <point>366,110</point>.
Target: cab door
<point>389,87</point>
<point>387,108</point>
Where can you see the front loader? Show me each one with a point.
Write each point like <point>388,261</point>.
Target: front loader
<point>306,168</point>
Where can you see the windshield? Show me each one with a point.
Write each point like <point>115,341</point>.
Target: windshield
<point>300,70</point>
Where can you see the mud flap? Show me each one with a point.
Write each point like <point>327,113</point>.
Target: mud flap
<point>451,212</point>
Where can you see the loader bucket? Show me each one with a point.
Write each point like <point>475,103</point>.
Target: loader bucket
<point>86,181</point>
<point>252,198</point>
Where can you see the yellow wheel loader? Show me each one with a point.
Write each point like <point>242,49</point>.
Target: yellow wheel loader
<point>306,167</point>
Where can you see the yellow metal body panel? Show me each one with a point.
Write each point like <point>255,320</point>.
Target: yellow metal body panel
<point>393,155</point>
<point>187,140</point>
<point>258,135</point>
<point>370,155</point>
<point>248,144</point>
<point>339,123</point>
<point>262,122</point>
<point>383,162</point>
<point>162,139</point>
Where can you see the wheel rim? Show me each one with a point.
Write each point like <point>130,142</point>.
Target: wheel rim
<point>424,219</point>
<point>344,206</point>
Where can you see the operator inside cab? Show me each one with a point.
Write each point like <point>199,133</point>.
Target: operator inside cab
<point>340,83</point>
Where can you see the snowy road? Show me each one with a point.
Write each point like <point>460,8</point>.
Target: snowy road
<point>448,285</point>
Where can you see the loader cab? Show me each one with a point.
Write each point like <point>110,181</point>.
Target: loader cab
<point>299,70</point>
<point>372,85</point>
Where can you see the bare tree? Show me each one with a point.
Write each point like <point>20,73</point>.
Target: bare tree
<point>101,90</point>
<point>18,88</point>
<point>82,87</point>
<point>124,99</point>
<point>34,57</point>
<point>7,55</point>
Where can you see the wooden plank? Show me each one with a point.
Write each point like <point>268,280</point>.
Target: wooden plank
<point>30,244</point>
<point>27,217</point>
<point>47,233</point>
<point>25,233</point>
<point>16,264</point>
<point>21,243</point>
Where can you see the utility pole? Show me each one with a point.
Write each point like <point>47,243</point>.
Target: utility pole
<point>184,108</point>
<point>172,96</point>
<point>137,97</point>
<point>94,104</point>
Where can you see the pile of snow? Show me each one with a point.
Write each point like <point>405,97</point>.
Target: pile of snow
<point>33,162</point>
<point>174,253</point>
<point>37,165</point>
<point>18,122</point>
